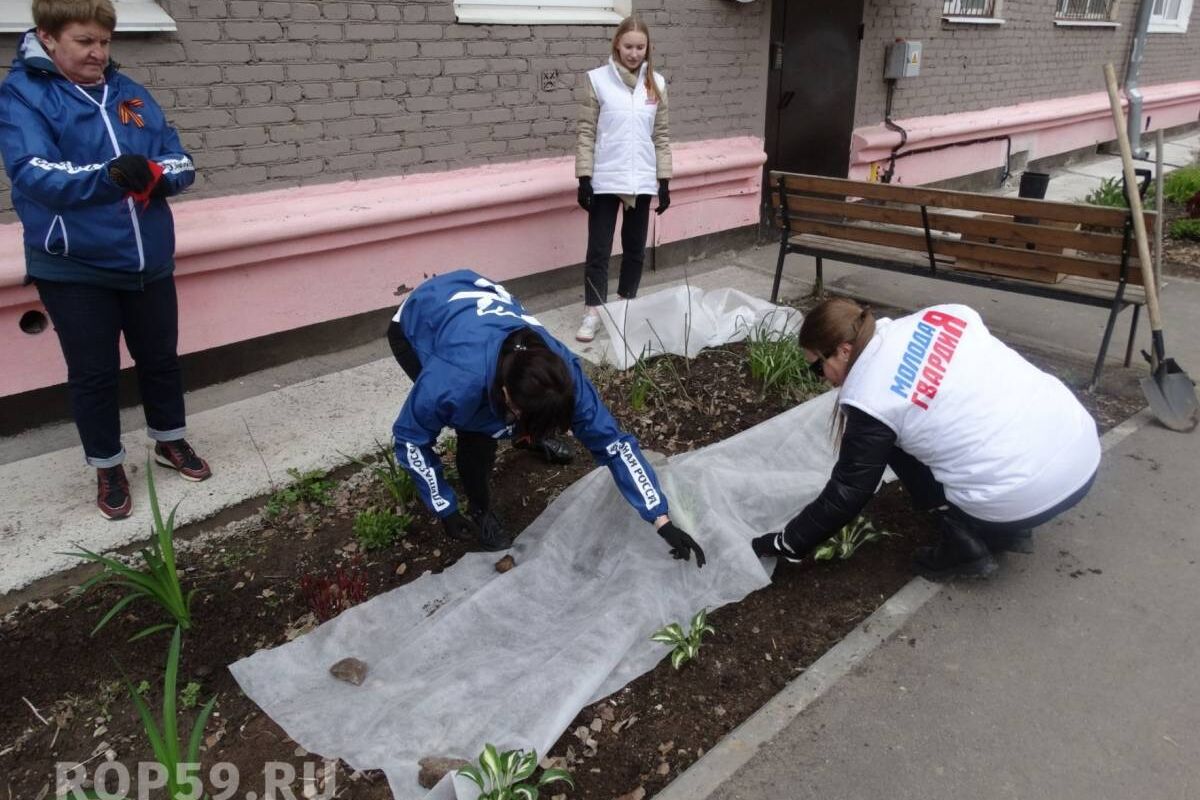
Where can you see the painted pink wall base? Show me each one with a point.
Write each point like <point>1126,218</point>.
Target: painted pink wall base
<point>1044,128</point>
<point>251,265</point>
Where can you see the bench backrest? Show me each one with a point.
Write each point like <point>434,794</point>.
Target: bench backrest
<point>1019,234</point>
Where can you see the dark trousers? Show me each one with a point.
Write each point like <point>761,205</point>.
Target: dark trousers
<point>602,222</point>
<point>89,321</point>
<point>927,494</point>
<point>476,453</point>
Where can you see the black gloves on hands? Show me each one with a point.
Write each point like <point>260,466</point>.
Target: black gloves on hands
<point>682,545</point>
<point>772,544</point>
<point>131,172</point>
<point>584,195</point>
<point>664,196</point>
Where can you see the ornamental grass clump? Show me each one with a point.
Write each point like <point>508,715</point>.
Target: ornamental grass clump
<point>686,645</point>
<point>844,543</point>
<point>507,775</point>
<point>778,364</point>
<point>158,581</point>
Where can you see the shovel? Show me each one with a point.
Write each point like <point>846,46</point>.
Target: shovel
<point>1169,391</point>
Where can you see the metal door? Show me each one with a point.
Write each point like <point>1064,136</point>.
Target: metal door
<point>812,85</point>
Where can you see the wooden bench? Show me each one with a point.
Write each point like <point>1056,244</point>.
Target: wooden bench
<point>1063,251</point>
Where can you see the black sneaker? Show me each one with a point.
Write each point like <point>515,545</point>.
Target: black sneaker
<point>1018,542</point>
<point>179,456</point>
<point>492,536</point>
<point>112,493</point>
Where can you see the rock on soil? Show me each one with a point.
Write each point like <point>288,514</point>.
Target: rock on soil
<point>434,768</point>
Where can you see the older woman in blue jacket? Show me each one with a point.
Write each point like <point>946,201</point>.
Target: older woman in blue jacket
<point>92,159</point>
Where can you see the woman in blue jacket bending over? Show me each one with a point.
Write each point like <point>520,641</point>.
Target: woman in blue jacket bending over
<point>92,160</point>
<point>482,365</point>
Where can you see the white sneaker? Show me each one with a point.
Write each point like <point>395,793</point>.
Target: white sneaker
<point>587,329</point>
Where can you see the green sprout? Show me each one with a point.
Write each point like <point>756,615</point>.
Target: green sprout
<point>503,776</point>
<point>687,645</point>
<point>378,529</point>
<point>310,487</point>
<point>845,542</point>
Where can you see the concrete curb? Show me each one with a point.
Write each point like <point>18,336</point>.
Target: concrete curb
<point>742,743</point>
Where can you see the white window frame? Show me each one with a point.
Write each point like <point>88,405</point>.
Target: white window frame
<point>993,18</point>
<point>542,12</point>
<point>1158,24</point>
<point>133,16</point>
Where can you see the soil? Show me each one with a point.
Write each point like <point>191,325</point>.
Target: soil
<point>66,702</point>
<point>1181,257</point>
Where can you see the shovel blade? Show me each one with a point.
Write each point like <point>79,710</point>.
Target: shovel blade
<point>1172,397</point>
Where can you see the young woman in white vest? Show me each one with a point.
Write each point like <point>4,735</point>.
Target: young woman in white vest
<point>623,158</point>
<point>977,434</point>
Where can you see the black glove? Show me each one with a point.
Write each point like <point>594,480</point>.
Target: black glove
<point>772,544</point>
<point>584,195</point>
<point>682,545</point>
<point>664,196</point>
<point>131,172</point>
<point>553,449</point>
<point>459,527</point>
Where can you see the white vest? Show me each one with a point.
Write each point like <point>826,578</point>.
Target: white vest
<point>625,161</point>
<point>1006,440</point>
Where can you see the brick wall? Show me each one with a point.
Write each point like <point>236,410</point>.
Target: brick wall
<point>270,94</point>
<point>972,67</point>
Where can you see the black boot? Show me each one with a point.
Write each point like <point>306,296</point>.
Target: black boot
<point>492,535</point>
<point>1020,541</point>
<point>553,449</point>
<point>959,553</point>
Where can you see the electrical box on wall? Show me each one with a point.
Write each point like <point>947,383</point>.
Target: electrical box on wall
<point>902,59</point>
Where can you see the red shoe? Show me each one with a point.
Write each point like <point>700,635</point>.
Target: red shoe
<point>112,493</point>
<point>179,456</point>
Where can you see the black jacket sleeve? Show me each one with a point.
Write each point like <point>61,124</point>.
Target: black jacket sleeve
<point>866,445</point>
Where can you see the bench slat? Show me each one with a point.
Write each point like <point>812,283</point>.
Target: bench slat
<point>1017,233</point>
<point>964,201</point>
<point>914,240</point>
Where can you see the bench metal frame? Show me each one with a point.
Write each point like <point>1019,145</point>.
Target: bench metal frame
<point>1116,304</point>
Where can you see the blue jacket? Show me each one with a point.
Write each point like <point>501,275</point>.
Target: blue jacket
<point>57,141</point>
<point>456,324</point>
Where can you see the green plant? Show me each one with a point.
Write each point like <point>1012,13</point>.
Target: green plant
<point>143,688</point>
<point>777,362</point>
<point>687,645</point>
<point>306,487</point>
<point>646,381</point>
<point>394,478</point>
<point>376,529</point>
<point>159,581</point>
<point>1186,229</point>
<point>180,764</point>
<point>1110,192</point>
<point>1182,185</point>
<point>188,697</point>
<point>503,776</point>
<point>852,536</point>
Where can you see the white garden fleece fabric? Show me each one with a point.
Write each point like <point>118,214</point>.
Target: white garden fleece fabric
<point>686,319</point>
<point>472,656</point>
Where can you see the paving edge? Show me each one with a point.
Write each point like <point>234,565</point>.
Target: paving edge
<point>742,743</point>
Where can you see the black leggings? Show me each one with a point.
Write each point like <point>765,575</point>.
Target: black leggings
<point>602,223</point>
<point>476,451</point>
<point>927,494</point>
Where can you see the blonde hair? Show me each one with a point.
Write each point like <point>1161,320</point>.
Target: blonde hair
<point>634,24</point>
<point>827,326</point>
<point>52,16</point>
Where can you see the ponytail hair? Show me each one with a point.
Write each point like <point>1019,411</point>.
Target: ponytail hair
<point>635,24</point>
<point>836,321</point>
<point>539,385</point>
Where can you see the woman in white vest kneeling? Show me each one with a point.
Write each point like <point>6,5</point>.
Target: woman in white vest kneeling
<point>622,160</point>
<point>975,433</point>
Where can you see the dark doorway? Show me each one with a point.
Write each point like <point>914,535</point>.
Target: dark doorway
<point>812,84</point>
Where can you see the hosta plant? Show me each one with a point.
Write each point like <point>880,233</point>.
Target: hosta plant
<point>158,581</point>
<point>845,542</point>
<point>509,775</point>
<point>687,645</point>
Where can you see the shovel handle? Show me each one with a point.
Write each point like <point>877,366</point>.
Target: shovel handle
<point>1135,202</point>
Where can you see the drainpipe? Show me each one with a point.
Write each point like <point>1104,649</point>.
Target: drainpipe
<point>1132,91</point>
